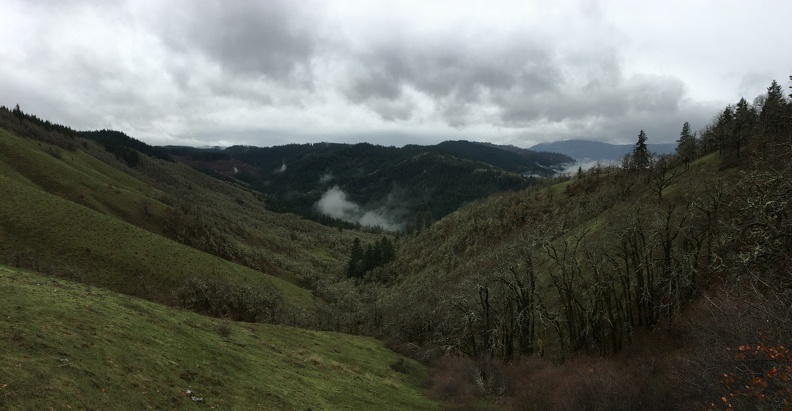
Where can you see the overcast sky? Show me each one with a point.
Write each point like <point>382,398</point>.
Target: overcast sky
<point>271,72</point>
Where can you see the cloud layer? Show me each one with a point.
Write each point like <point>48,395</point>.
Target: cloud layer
<point>334,203</point>
<point>264,73</point>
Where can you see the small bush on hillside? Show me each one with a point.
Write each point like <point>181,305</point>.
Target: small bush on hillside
<point>224,330</point>
<point>34,261</point>
<point>239,303</point>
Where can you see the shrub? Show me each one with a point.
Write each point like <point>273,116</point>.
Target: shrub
<point>221,299</point>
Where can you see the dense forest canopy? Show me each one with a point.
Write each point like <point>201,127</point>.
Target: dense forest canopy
<point>398,185</point>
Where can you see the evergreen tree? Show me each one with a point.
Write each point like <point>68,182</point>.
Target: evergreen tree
<point>355,266</point>
<point>376,255</point>
<point>744,122</point>
<point>641,152</point>
<point>724,128</point>
<point>387,250</point>
<point>773,111</point>
<point>370,259</point>
<point>686,149</point>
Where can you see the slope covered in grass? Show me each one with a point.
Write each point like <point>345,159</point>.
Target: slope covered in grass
<point>78,177</point>
<point>105,251</point>
<point>85,239</point>
<point>67,345</point>
<point>222,218</point>
<point>75,209</point>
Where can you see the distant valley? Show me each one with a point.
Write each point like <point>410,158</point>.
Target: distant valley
<point>394,188</point>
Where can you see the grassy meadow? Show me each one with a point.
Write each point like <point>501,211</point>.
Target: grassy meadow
<point>71,346</point>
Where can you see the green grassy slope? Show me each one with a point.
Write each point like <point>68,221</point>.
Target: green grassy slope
<point>71,346</point>
<point>78,177</point>
<point>86,235</point>
<point>173,200</point>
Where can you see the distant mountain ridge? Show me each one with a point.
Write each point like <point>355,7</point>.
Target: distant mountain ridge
<point>401,185</point>
<point>586,150</point>
<point>509,158</point>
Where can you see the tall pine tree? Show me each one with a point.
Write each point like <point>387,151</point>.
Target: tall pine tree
<point>744,122</point>
<point>773,112</point>
<point>641,152</point>
<point>686,149</point>
<point>355,266</point>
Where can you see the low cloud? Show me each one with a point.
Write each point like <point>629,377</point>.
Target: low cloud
<point>280,169</point>
<point>572,169</point>
<point>334,203</point>
<point>326,177</point>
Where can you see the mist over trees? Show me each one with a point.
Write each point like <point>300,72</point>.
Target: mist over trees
<point>377,186</point>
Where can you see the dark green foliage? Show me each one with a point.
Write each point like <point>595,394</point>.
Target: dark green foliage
<point>125,147</point>
<point>355,265</point>
<point>724,127</point>
<point>774,111</point>
<point>377,255</point>
<point>686,149</point>
<point>766,120</point>
<point>200,154</point>
<point>399,182</point>
<point>224,300</point>
<point>18,121</point>
<point>197,229</point>
<point>523,161</point>
<point>640,155</point>
<point>46,124</point>
<point>745,119</point>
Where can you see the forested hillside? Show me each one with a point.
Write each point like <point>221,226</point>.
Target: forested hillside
<point>403,187</point>
<point>675,268</point>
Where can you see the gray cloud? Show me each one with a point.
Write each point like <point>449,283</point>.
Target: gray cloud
<point>455,75</point>
<point>274,38</point>
<point>513,85</point>
<point>274,72</point>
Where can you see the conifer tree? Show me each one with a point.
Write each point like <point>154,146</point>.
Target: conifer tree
<point>641,152</point>
<point>686,148</point>
<point>355,266</point>
<point>724,128</point>
<point>744,121</point>
<point>773,111</point>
